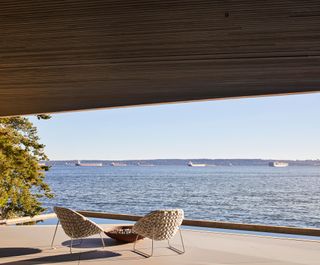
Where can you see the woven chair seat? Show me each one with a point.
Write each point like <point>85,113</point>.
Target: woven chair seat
<point>160,224</point>
<point>76,225</point>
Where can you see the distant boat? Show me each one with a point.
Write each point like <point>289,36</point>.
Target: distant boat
<point>278,164</point>
<point>144,165</point>
<point>79,164</point>
<point>190,164</point>
<point>118,164</point>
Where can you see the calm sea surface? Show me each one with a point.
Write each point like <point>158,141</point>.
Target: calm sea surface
<point>263,195</point>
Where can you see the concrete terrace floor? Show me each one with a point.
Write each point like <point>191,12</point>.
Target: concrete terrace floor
<point>22,245</point>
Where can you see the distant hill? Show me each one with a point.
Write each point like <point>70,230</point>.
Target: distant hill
<point>178,162</point>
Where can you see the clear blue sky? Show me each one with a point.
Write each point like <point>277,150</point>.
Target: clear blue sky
<point>283,127</point>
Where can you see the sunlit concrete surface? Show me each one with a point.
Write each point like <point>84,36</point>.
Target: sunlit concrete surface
<point>22,245</point>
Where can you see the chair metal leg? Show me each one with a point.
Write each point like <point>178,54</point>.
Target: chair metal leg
<point>77,243</point>
<point>71,244</point>
<point>175,249</point>
<point>134,243</point>
<point>182,242</point>
<point>152,248</point>
<point>103,245</point>
<point>54,235</point>
<point>140,252</point>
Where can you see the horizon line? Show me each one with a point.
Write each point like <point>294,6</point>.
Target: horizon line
<point>309,159</point>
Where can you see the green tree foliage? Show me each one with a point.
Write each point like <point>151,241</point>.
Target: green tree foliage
<point>21,176</point>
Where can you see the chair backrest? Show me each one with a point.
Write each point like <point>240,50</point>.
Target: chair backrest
<point>74,224</point>
<point>160,224</point>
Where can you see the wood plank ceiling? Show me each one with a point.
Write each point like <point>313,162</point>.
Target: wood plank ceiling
<point>79,54</point>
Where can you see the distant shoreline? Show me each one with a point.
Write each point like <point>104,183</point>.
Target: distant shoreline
<point>177,162</point>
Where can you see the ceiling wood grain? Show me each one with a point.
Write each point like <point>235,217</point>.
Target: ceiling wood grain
<point>72,55</point>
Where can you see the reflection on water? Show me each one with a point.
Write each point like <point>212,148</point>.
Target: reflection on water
<point>264,195</point>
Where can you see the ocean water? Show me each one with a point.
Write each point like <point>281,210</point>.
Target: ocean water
<point>262,195</point>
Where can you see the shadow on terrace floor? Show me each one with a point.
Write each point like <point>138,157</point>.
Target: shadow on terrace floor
<point>93,243</point>
<point>66,257</point>
<point>12,252</point>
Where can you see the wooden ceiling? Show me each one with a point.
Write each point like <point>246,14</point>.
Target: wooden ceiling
<point>79,54</point>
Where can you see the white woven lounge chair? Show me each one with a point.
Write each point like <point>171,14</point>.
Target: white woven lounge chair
<point>75,225</point>
<point>160,225</point>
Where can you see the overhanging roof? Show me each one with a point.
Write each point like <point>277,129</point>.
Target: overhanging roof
<point>72,55</point>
